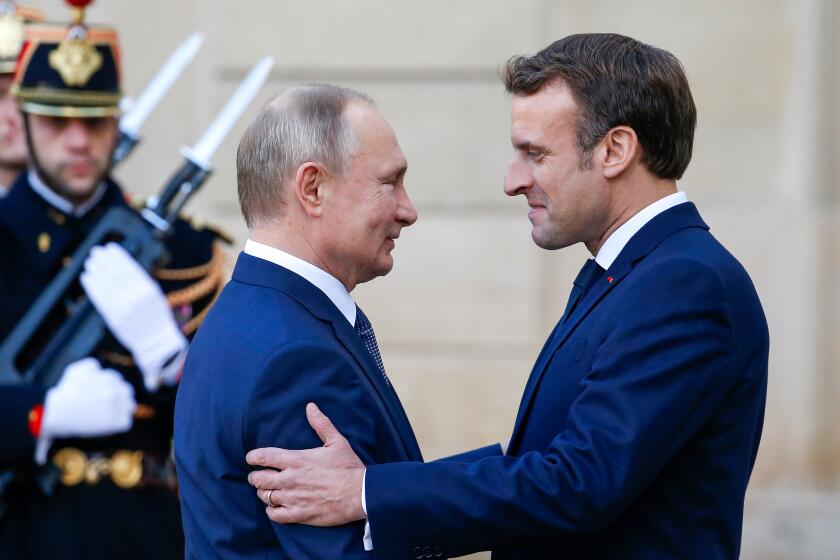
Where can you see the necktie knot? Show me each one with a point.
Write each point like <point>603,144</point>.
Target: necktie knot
<point>588,275</point>
<point>586,278</point>
<point>363,326</point>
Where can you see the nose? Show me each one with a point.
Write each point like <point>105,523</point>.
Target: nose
<point>77,135</point>
<point>406,213</point>
<point>517,178</point>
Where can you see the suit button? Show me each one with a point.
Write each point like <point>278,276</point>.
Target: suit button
<point>437,551</point>
<point>417,552</point>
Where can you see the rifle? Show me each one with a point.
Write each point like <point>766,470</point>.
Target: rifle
<point>133,119</point>
<point>142,235</point>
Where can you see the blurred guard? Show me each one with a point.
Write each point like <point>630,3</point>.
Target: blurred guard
<point>105,429</point>
<point>13,18</point>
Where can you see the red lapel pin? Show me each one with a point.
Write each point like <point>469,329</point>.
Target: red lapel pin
<point>609,279</point>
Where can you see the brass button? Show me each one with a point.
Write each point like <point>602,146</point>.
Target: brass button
<point>57,217</point>
<point>44,242</point>
<point>73,464</point>
<point>127,468</point>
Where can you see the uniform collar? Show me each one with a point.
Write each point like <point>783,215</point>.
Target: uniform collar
<point>43,232</point>
<point>58,202</point>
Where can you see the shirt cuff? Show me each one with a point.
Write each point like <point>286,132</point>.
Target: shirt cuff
<point>367,540</point>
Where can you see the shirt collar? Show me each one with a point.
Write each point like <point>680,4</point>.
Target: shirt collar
<point>321,279</point>
<point>59,203</point>
<point>615,243</point>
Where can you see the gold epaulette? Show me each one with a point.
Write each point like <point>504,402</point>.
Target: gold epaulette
<point>209,279</point>
<point>199,224</point>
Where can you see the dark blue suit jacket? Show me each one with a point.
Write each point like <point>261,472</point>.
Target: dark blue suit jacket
<point>637,431</point>
<point>272,343</point>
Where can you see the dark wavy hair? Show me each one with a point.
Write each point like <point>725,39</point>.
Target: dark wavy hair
<point>617,80</point>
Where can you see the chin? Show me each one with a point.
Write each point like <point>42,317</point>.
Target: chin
<point>549,242</point>
<point>384,266</point>
<point>76,190</point>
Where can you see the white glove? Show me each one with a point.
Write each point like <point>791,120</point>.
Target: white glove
<point>135,310</point>
<point>89,401</point>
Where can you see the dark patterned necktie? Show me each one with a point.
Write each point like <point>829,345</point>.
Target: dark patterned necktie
<point>365,331</point>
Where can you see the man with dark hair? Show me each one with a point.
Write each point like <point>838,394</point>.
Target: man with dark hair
<point>640,423</point>
<point>320,177</point>
<point>92,473</point>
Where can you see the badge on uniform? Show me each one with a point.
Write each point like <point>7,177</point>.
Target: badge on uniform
<point>69,71</point>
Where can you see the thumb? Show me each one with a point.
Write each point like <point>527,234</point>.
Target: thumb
<point>322,425</point>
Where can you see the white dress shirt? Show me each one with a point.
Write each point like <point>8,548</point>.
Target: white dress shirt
<point>614,244</point>
<point>319,278</point>
<point>58,202</point>
<point>606,256</point>
<point>331,287</point>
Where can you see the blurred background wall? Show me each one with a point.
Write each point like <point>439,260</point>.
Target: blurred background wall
<point>471,299</point>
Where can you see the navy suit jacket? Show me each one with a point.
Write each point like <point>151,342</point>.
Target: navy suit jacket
<point>637,431</point>
<point>272,343</point>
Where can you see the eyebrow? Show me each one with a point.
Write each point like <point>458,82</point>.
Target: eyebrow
<point>527,146</point>
<point>396,173</point>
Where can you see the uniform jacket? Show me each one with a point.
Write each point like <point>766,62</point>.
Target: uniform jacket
<point>272,343</point>
<point>637,431</point>
<point>91,521</point>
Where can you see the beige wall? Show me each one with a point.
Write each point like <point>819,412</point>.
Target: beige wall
<point>471,298</point>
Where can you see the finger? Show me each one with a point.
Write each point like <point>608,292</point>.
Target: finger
<point>266,479</point>
<point>123,258</point>
<point>84,280</point>
<point>263,496</point>
<point>117,252</point>
<point>272,497</point>
<point>322,425</point>
<point>97,262</point>
<point>284,515</point>
<point>81,367</point>
<point>91,281</point>
<point>274,457</point>
<point>94,255</point>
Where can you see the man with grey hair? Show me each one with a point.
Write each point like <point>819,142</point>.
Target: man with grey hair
<point>320,177</point>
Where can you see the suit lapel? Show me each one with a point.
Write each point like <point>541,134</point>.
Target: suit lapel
<point>252,270</point>
<point>639,246</point>
<point>351,341</point>
<point>558,336</point>
<point>539,365</point>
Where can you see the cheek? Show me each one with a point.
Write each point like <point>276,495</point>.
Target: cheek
<point>381,211</point>
<point>104,142</point>
<point>553,182</point>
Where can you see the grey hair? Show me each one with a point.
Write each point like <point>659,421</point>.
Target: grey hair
<point>306,123</point>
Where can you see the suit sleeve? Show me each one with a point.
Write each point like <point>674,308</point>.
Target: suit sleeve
<point>657,376</point>
<point>476,454</point>
<point>298,374</point>
<point>16,401</point>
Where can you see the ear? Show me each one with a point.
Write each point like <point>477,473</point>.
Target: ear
<point>309,187</point>
<point>620,147</point>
